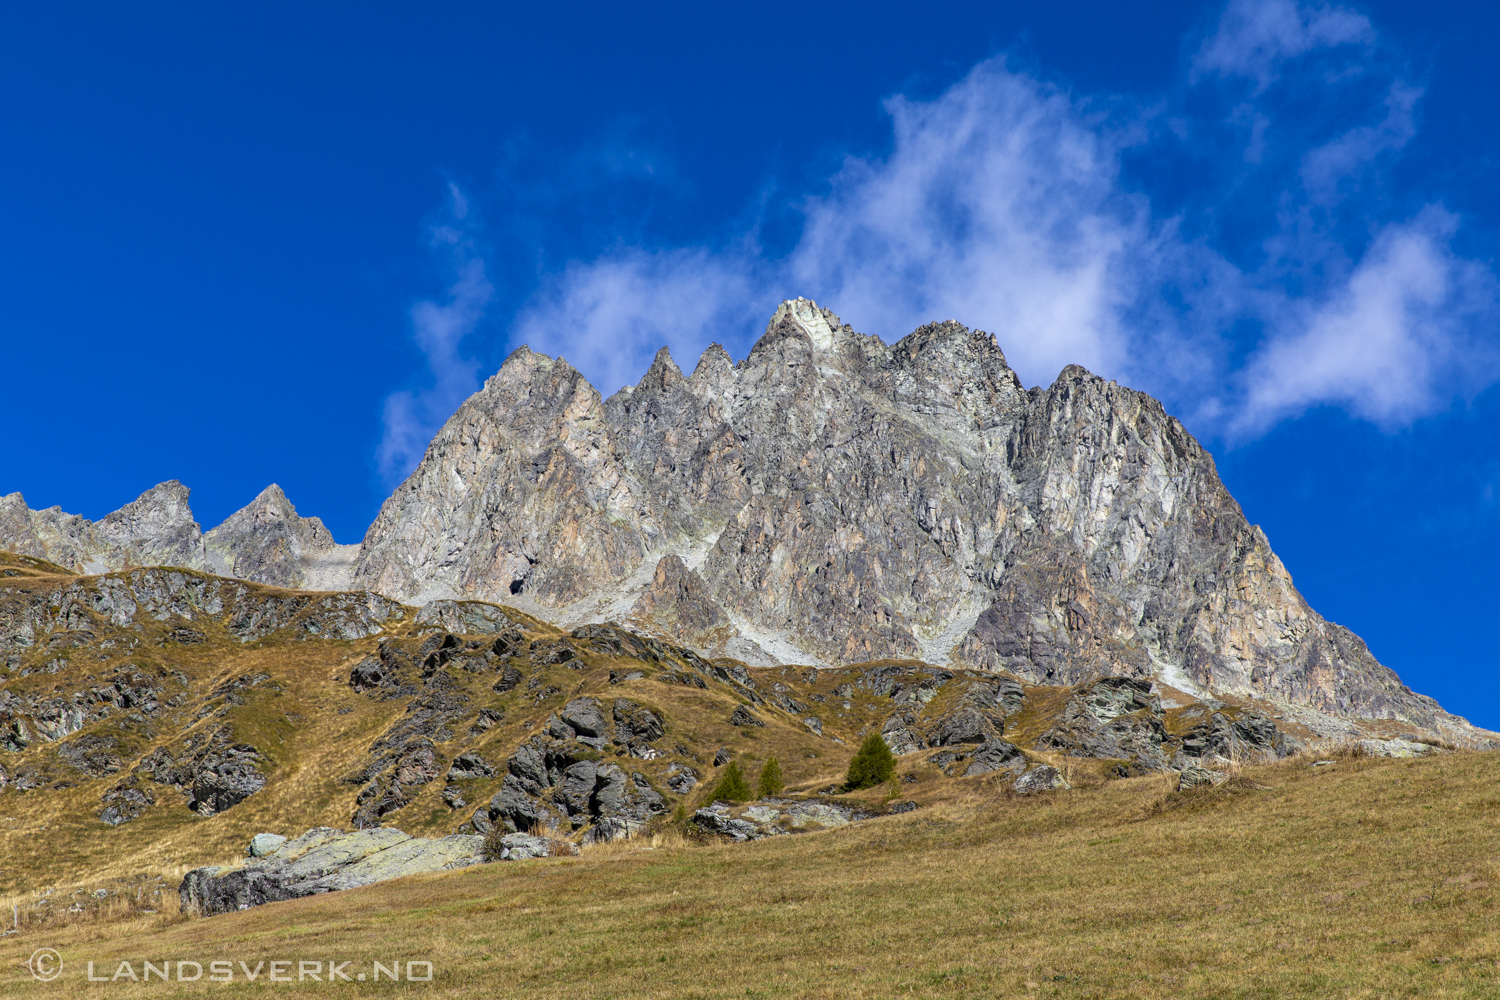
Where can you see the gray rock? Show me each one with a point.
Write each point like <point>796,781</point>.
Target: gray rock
<point>742,716</point>
<point>268,542</point>
<point>1193,777</point>
<point>1112,718</point>
<point>823,815</point>
<point>324,860</point>
<point>467,618</point>
<point>996,755</point>
<point>717,822</point>
<point>722,756</point>
<point>585,716</point>
<point>521,846</point>
<point>123,803</point>
<point>263,844</point>
<point>576,791</point>
<point>470,765</point>
<point>966,725</point>
<point>900,738</point>
<point>1040,779</point>
<point>1396,748</point>
<point>635,724</point>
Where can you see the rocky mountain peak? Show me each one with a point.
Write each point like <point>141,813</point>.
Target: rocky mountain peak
<point>829,499</point>
<point>267,541</point>
<point>832,499</point>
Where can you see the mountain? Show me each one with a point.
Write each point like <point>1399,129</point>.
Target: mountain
<point>832,499</point>
<point>266,541</point>
<point>828,500</point>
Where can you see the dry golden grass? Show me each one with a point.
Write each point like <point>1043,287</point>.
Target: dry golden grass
<point>1363,879</point>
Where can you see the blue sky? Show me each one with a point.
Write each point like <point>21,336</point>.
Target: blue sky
<point>281,244</point>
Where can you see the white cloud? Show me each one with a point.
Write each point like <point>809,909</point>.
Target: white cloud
<point>411,418</point>
<point>1001,203</point>
<point>1254,37</point>
<point>610,316</point>
<point>1389,344</point>
<point>1326,168</point>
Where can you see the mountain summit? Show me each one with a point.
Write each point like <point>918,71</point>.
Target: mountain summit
<point>830,499</point>
<point>833,499</point>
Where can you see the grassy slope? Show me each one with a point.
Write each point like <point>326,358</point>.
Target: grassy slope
<point>1362,879</point>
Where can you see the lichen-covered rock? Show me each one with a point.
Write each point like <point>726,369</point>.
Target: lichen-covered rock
<point>1042,778</point>
<point>263,844</point>
<point>996,755</point>
<point>1194,777</point>
<point>324,860</point>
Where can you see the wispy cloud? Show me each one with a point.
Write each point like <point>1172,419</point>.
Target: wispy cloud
<point>610,316</point>
<point>1255,38</point>
<point>1005,202</point>
<point>1398,337</point>
<point>411,417</point>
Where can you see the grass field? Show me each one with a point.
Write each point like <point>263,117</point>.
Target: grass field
<point>1364,878</point>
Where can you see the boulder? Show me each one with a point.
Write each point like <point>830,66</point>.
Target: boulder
<point>324,860</point>
<point>996,755</point>
<point>520,846</point>
<point>742,716</point>
<point>1040,779</point>
<point>586,717</point>
<point>717,820</point>
<point>1194,777</point>
<point>263,844</point>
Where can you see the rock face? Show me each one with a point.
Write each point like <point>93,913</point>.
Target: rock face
<point>834,499</point>
<point>323,860</point>
<point>155,529</point>
<point>268,543</point>
<point>265,542</point>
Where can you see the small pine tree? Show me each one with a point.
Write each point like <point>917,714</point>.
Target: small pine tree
<point>732,786</point>
<point>872,765</point>
<point>770,778</point>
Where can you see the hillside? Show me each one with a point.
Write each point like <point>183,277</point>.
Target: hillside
<point>1362,878</point>
<point>157,717</point>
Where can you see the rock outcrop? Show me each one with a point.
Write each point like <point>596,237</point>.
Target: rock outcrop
<point>323,860</point>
